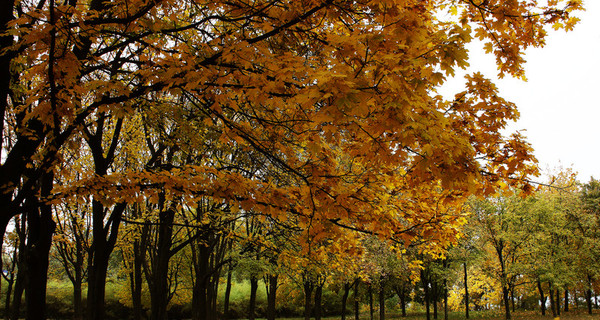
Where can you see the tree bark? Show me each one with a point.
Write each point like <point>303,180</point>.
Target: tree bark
<point>227,292</point>
<point>426,294</point>
<point>308,288</point>
<point>553,305</point>
<point>272,296</point>
<point>566,300</point>
<point>139,257</point>
<point>318,301</point>
<point>356,300</point>
<point>558,302</point>
<point>512,297</point>
<point>21,265</point>
<point>542,297</point>
<point>252,304</point>
<point>159,291</point>
<point>506,300</point>
<point>39,240</point>
<point>466,291</point>
<point>104,238</point>
<point>588,298</point>
<point>382,299</point>
<point>445,299</point>
<point>345,299</point>
<point>370,292</point>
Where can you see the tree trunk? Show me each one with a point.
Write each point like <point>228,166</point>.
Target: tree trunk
<point>345,299</point>
<point>588,298</point>
<point>566,300</point>
<point>18,295</point>
<point>252,304</point>
<point>77,295</point>
<point>159,291</point>
<point>318,301</point>
<point>356,300</point>
<point>227,292</point>
<point>21,265</point>
<point>272,296</point>
<point>512,297</point>
<point>553,305</point>
<point>382,299</point>
<point>308,288</point>
<point>402,294</point>
<point>506,300</point>
<point>542,297</point>
<point>466,291</point>
<point>445,299</point>
<point>371,311</point>
<point>103,244</point>
<point>434,302</point>
<point>139,257</point>
<point>557,302</point>
<point>201,306</point>
<point>426,294</point>
<point>39,241</point>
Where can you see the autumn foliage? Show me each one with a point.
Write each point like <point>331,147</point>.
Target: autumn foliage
<point>320,115</point>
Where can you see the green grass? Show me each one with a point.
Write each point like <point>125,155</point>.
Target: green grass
<point>479,315</point>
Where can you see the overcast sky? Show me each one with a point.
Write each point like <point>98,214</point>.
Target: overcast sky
<point>560,103</point>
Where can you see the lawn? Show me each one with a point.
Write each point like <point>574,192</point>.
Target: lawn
<point>485,315</point>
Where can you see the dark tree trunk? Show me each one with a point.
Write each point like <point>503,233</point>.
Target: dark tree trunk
<point>15,312</point>
<point>139,257</point>
<point>466,291</point>
<point>512,297</point>
<point>252,304</point>
<point>426,294</point>
<point>77,294</point>
<point>402,294</point>
<point>588,298</point>
<point>566,300</point>
<point>552,301</point>
<point>103,244</point>
<point>159,290</point>
<point>445,299</point>
<point>371,309</point>
<point>201,306</point>
<point>542,297</point>
<point>318,301</point>
<point>21,266</point>
<point>506,300</point>
<point>347,287</point>
<point>227,292</point>
<point>434,301</point>
<point>557,302</point>
<point>308,288</point>
<point>356,299</point>
<point>39,240</point>
<point>382,299</point>
<point>272,296</point>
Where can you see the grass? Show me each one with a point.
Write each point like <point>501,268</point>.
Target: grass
<point>479,315</point>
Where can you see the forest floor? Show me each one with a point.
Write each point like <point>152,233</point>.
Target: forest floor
<point>519,315</point>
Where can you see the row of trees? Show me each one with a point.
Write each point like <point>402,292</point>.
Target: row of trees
<point>294,128</point>
<point>516,252</point>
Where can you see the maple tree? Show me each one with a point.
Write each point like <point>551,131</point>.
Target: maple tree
<point>337,98</point>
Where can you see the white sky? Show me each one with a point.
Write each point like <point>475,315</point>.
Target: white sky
<point>560,102</point>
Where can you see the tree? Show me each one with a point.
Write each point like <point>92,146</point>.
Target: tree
<point>552,249</point>
<point>503,227</point>
<point>587,222</point>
